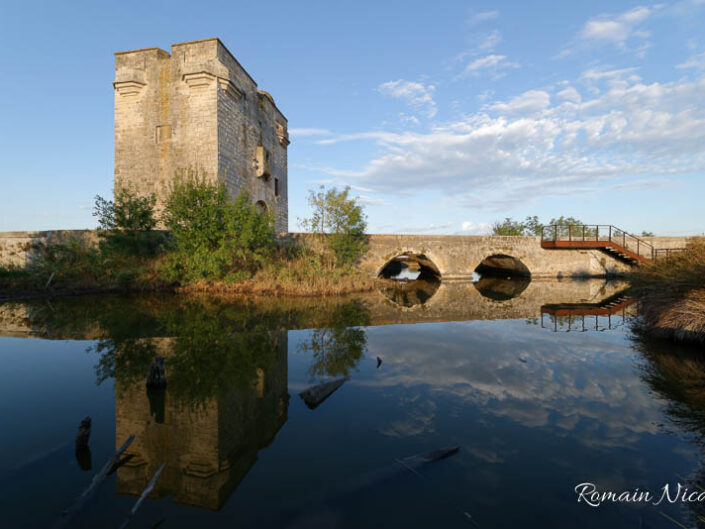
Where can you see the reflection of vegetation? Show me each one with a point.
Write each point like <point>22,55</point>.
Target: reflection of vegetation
<point>207,348</point>
<point>677,374</point>
<point>215,349</point>
<point>339,345</point>
<point>208,344</point>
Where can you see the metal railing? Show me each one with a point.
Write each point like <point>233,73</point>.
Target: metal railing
<point>597,235</point>
<point>661,253</point>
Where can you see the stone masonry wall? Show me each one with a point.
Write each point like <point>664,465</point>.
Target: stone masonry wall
<point>198,109</point>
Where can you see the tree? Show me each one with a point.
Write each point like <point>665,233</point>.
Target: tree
<point>126,224</point>
<point>508,226</point>
<point>339,216</point>
<point>214,238</point>
<point>532,226</point>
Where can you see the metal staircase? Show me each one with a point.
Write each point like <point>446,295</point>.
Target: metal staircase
<point>605,237</point>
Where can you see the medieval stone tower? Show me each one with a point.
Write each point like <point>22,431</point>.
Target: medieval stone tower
<point>198,109</point>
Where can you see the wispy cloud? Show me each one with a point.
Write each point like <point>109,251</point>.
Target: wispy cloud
<point>616,29</point>
<point>493,63</point>
<point>309,132</point>
<point>624,30</point>
<point>418,95</point>
<point>696,62</point>
<point>546,142</point>
<point>483,16</point>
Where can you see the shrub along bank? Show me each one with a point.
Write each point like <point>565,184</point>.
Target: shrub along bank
<point>211,243</point>
<point>671,292</point>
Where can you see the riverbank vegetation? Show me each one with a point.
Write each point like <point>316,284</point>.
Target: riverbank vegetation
<point>671,292</point>
<point>210,243</point>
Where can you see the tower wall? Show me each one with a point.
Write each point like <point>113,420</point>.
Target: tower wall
<point>197,108</point>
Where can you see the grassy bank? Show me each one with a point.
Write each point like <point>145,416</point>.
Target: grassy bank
<point>671,292</point>
<point>68,270</point>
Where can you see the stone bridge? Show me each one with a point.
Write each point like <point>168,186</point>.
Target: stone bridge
<point>458,256</point>
<point>448,256</point>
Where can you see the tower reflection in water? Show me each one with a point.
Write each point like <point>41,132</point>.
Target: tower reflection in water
<point>208,439</point>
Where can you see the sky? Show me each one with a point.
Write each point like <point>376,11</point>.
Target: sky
<point>442,117</point>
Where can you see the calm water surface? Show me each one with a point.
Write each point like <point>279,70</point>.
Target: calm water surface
<point>542,386</point>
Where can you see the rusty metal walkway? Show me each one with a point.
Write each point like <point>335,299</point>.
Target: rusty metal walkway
<point>608,238</point>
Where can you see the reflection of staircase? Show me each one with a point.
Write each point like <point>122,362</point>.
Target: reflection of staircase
<point>612,240</point>
<point>612,305</point>
<point>570,313</point>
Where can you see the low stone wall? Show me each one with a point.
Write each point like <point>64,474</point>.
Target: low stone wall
<point>19,248</point>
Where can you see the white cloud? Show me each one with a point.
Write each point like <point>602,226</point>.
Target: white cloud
<point>694,61</point>
<point>531,101</point>
<point>483,16</point>
<point>616,29</point>
<point>623,30</point>
<point>472,228</point>
<point>537,145</point>
<point>491,62</point>
<point>417,95</point>
<point>570,94</point>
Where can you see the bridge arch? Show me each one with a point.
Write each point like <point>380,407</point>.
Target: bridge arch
<point>502,265</point>
<point>412,262</point>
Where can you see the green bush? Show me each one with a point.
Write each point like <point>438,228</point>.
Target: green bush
<point>342,218</point>
<point>126,224</point>
<point>213,237</point>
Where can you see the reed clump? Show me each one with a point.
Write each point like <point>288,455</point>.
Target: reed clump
<point>671,292</point>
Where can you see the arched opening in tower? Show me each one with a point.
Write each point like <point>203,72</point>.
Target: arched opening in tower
<point>501,277</point>
<point>411,279</point>
<point>261,206</point>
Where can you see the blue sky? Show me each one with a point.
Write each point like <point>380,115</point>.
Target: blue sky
<point>442,116</point>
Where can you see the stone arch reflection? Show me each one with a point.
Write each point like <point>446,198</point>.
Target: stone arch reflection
<point>501,277</point>
<point>410,279</point>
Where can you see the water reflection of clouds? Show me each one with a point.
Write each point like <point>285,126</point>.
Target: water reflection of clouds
<point>572,385</point>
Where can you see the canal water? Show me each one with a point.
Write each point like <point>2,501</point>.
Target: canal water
<point>541,386</point>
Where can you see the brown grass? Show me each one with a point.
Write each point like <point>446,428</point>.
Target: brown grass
<point>672,294</point>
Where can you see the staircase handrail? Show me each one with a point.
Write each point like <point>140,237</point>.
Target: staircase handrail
<point>590,232</point>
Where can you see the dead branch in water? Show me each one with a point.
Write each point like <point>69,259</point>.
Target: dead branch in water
<point>144,494</point>
<point>98,480</point>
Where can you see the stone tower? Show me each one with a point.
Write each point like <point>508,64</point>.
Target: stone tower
<point>198,109</point>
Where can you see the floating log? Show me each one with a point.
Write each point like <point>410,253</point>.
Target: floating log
<point>81,449</point>
<point>84,434</point>
<point>315,395</point>
<point>157,374</point>
<point>98,480</point>
<point>144,494</point>
<point>84,458</point>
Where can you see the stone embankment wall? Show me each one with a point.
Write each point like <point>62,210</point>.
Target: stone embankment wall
<point>18,248</point>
